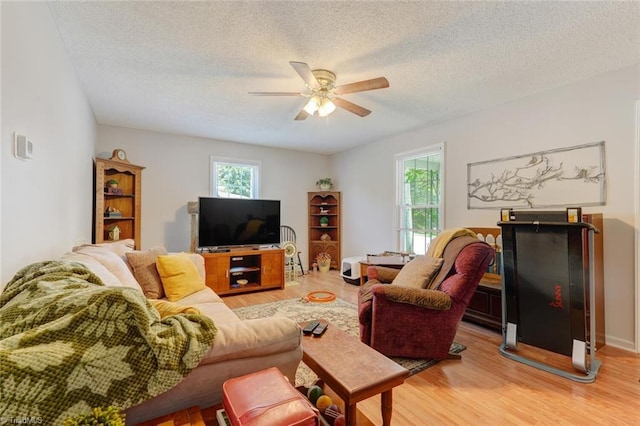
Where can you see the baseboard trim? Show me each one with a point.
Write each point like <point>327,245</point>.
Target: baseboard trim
<point>627,345</point>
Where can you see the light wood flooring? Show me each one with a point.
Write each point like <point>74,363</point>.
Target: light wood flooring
<point>485,388</point>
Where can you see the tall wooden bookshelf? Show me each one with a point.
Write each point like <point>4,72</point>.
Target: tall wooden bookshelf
<point>324,226</point>
<point>124,201</point>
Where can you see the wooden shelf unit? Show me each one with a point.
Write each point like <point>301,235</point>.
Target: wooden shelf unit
<point>263,269</point>
<point>325,204</point>
<point>128,201</point>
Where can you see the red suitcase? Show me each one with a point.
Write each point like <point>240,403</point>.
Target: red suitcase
<point>266,398</point>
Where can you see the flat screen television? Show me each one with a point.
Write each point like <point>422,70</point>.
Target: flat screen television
<point>228,222</point>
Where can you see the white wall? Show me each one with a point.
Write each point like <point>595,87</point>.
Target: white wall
<point>601,108</point>
<point>46,201</point>
<point>177,171</point>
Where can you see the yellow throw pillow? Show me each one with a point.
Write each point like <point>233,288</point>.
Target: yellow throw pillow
<point>179,276</point>
<point>166,308</point>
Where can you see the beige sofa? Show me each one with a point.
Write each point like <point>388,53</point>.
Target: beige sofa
<point>240,347</point>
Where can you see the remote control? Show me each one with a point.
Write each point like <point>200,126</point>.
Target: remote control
<point>319,330</point>
<point>308,329</point>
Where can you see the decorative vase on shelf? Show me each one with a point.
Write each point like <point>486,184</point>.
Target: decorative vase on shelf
<point>114,233</point>
<point>325,187</point>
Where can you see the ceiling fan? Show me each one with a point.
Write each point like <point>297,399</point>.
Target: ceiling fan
<point>323,93</point>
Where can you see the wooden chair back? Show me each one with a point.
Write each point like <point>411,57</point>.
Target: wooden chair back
<point>493,237</point>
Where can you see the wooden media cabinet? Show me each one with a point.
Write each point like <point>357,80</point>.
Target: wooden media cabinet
<point>263,269</point>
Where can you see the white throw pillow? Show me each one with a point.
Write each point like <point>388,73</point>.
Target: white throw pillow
<point>120,247</point>
<point>94,266</point>
<point>112,261</point>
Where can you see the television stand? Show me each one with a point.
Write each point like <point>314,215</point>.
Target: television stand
<point>203,250</point>
<point>263,269</point>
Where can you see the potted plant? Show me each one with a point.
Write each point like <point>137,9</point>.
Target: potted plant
<point>112,183</point>
<point>324,261</point>
<point>324,184</point>
<point>324,221</point>
<point>110,416</point>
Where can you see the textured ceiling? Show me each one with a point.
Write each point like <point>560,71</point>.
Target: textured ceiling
<point>186,67</point>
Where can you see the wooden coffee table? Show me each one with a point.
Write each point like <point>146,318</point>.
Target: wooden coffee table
<point>353,370</point>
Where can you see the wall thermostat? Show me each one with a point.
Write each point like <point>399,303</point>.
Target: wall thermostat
<point>23,148</point>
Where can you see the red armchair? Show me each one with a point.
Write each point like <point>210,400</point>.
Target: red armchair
<point>415,322</point>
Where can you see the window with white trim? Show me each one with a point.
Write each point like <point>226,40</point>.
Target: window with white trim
<point>419,183</point>
<point>232,178</point>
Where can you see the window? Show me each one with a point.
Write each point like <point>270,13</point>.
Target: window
<point>419,194</point>
<point>234,178</point>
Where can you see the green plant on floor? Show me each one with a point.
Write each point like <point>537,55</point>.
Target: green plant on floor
<point>110,416</point>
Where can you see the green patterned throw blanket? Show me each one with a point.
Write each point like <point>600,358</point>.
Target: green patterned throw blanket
<point>68,344</point>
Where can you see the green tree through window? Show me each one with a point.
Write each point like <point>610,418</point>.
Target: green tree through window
<point>420,200</point>
<point>234,179</point>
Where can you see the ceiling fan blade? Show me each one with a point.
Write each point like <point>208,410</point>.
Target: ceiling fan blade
<point>275,93</point>
<point>305,72</point>
<point>351,107</point>
<point>361,86</point>
<point>302,115</point>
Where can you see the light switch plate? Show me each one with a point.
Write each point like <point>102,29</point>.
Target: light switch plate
<point>23,148</point>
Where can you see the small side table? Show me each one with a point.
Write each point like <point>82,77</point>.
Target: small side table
<point>362,374</point>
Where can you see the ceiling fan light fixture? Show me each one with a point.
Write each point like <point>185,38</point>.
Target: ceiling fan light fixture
<point>312,106</point>
<point>323,94</point>
<point>326,107</point>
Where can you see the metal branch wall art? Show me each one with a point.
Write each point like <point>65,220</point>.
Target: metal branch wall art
<point>561,177</point>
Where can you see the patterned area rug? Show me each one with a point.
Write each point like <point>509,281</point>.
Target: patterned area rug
<point>341,314</point>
